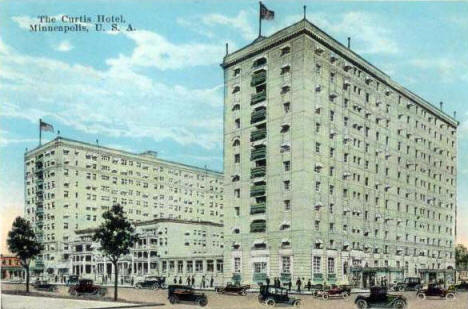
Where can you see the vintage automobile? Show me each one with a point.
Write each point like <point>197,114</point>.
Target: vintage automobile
<point>44,286</point>
<point>409,284</point>
<point>435,290</point>
<point>462,286</point>
<point>334,291</point>
<point>183,293</point>
<point>233,289</point>
<point>271,296</point>
<point>151,283</point>
<point>379,298</point>
<point>86,287</point>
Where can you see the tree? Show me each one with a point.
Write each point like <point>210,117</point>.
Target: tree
<point>22,242</point>
<point>461,257</point>
<point>116,236</point>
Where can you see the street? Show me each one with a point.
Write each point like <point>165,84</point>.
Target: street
<point>215,301</point>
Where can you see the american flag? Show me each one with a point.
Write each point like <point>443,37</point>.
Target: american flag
<point>266,13</point>
<point>44,126</point>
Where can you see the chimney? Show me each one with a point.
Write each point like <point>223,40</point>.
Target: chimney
<point>441,105</point>
<point>349,42</point>
<point>227,49</point>
<point>455,115</point>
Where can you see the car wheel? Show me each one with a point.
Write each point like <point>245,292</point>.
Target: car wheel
<point>73,293</point>
<point>344,294</point>
<point>270,302</point>
<point>450,296</point>
<point>361,304</point>
<point>243,292</point>
<point>401,288</point>
<point>202,302</point>
<point>154,287</point>
<point>102,292</point>
<point>325,295</point>
<point>399,304</point>
<point>421,296</point>
<point>173,299</point>
<point>260,299</point>
<point>297,303</point>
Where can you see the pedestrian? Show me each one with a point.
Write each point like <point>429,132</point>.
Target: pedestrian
<point>203,281</point>
<point>289,285</point>
<point>309,285</point>
<point>267,281</point>
<point>193,280</point>
<point>298,284</point>
<point>180,280</point>
<point>189,281</point>
<point>211,282</point>
<point>56,278</point>
<point>132,281</point>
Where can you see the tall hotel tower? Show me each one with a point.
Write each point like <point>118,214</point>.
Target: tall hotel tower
<point>333,171</point>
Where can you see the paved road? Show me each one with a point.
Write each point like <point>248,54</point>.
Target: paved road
<point>31,302</point>
<point>214,301</point>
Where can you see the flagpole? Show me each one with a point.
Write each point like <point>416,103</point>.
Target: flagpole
<point>40,131</point>
<point>260,19</point>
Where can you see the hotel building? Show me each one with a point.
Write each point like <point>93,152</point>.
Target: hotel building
<point>333,171</point>
<point>69,184</point>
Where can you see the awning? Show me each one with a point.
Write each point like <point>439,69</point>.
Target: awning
<point>285,240</point>
<point>318,165</point>
<point>319,241</point>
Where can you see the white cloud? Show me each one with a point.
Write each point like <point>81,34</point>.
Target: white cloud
<point>116,102</point>
<point>154,50</point>
<point>24,22</point>
<point>64,46</point>
<point>204,24</point>
<point>367,31</point>
<point>446,68</point>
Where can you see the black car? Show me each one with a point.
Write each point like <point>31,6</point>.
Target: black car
<point>153,283</point>
<point>271,296</point>
<point>72,280</point>
<point>232,289</point>
<point>379,298</point>
<point>44,286</point>
<point>462,286</point>
<point>435,290</point>
<point>409,284</point>
<point>183,293</point>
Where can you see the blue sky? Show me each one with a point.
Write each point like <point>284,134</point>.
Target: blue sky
<point>160,87</point>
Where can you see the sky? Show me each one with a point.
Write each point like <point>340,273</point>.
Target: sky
<point>160,87</point>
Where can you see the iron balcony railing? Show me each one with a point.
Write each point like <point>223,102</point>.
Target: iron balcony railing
<point>258,208</point>
<point>258,227</point>
<point>258,78</point>
<point>258,115</point>
<point>257,190</point>
<point>259,277</point>
<point>258,171</point>
<point>285,276</point>
<point>258,153</point>
<point>258,97</point>
<point>258,135</point>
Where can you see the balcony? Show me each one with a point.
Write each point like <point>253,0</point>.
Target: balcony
<point>318,277</point>
<point>259,208</point>
<point>331,277</point>
<point>258,78</point>
<point>258,171</point>
<point>285,277</point>
<point>258,115</point>
<point>258,226</point>
<point>259,277</point>
<point>257,190</point>
<point>258,135</point>
<point>258,97</point>
<point>258,153</point>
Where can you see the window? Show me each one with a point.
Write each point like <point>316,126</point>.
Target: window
<point>237,72</point>
<point>287,165</point>
<point>237,265</point>
<point>286,185</point>
<point>331,265</point>
<point>236,158</point>
<point>317,186</point>
<point>316,264</point>
<point>286,107</point>
<point>287,204</point>
<point>317,147</point>
<point>260,267</point>
<point>199,266</point>
<point>285,50</point>
<point>237,211</point>
<point>286,264</point>
<point>237,123</point>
